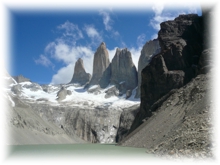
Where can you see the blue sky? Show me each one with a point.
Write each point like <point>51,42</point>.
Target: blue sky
<point>45,45</point>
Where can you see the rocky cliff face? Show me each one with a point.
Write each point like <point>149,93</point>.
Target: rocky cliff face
<point>181,42</point>
<point>80,76</point>
<point>62,93</point>
<point>123,71</point>
<point>25,125</point>
<point>106,77</point>
<point>62,113</point>
<point>100,63</point>
<point>181,124</point>
<point>126,119</point>
<point>175,117</point>
<point>91,124</point>
<point>150,49</point>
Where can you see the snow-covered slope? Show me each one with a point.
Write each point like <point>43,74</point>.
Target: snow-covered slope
<point>79,96</point>
<point>86,113</point>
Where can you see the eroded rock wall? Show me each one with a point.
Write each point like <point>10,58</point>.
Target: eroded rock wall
<point>181,42</point>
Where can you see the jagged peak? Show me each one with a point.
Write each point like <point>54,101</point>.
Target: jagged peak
<point>102,45</point>
<point>124,50</point>
<point>79,60</point>
<point>186,16</point>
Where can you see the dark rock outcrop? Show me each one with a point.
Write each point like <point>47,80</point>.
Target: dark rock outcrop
<point>100,63</point>
<point>51,88</point>
<point>33,86</point>
<point>105,79</point>
<point>123,70</point>
<point>62,93</point>
<point>181,42</point>
<point>205,61</point>
<point>150,49</point>
<point>128,94</point>
<point>20,79</point>
<point>16,89</point>
<point>80,76</point>
<point>181,125</point>
<point>113,91</point>
<point>126,119</point>
<point>94,89</point>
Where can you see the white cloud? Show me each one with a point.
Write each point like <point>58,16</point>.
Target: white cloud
<point>62,52</point>
<point>166,12</point>
<point>69,55</point>
<point>159,16</point>
<point>136,52</point>
<point>64,75</point>
<point>71,30</point>
<point>111,53</point>
<point>49,47</point>
<point>43,60</point>
<point>154,36</point>
<point>65,50</point>
<point>106,20</point>
<point>158,8</point>
<point>91,31</point>
<point>141,40</point>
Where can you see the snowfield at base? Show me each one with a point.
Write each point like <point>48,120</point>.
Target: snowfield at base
<point>99,99</point>
<point>34,95</point>
<point>79,97</point>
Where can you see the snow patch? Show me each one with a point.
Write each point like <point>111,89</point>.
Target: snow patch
<point>12,102</point>
<point>25,83</point>
<point>80,97</point>
<point>93,87</point>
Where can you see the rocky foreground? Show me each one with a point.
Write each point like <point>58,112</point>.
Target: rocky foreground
<point>181,125</point>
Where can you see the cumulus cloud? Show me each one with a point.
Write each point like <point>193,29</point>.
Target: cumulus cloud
<point>69,55</point>
<point>66,51</point>
<point>43,60</point>
<point>63,75</point>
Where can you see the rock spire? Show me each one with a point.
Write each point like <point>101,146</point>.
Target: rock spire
<point>123,70</point>
<point>80,76</point>
<point>100,63</point>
